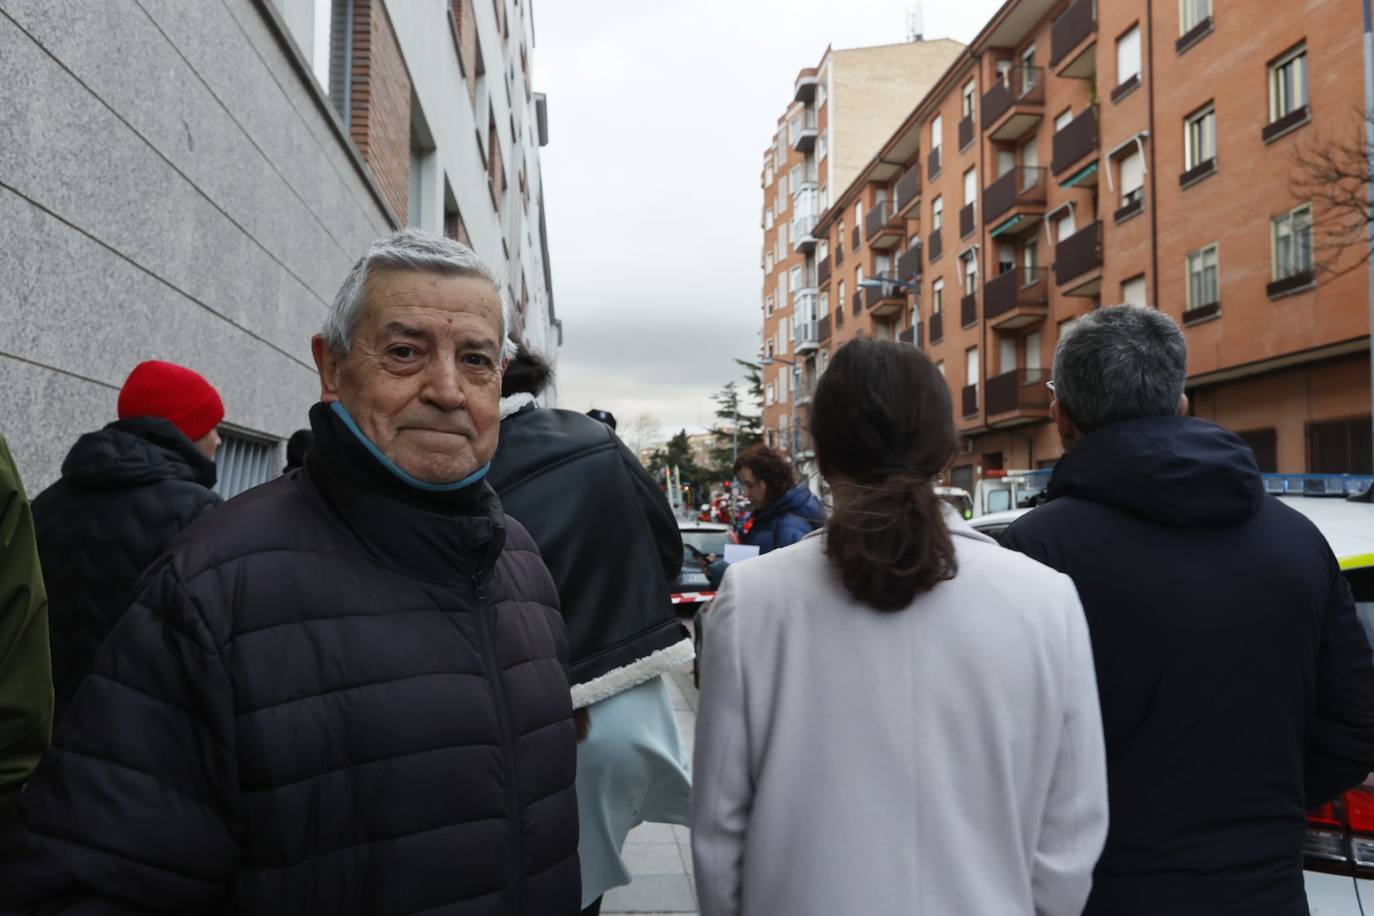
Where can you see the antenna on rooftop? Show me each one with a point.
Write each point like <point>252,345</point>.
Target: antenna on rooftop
<point>915,22</point>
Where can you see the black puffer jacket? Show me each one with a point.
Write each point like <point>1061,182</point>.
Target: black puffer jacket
<point>324,700</point>
<point>125,492</point>
<point>609,538</point>
<point>1236,682</point>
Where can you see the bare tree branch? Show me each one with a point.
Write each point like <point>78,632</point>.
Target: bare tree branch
<point>1333,172</point>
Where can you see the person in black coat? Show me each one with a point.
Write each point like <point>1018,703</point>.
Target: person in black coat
<point>610,540</point>
<point>125,492</point>
<point>342,692</point>
<point>1236,683</point>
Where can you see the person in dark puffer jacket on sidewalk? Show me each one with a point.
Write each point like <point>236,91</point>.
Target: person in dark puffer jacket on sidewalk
<point>344,691</point>
<point>125,492</point>
<point>1236,682</point>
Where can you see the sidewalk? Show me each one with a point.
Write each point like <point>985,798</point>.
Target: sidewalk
<point>660,855</point>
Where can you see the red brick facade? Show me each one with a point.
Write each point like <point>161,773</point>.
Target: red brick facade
<point>380,113</point>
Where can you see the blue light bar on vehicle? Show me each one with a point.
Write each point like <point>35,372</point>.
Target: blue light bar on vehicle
<point>1317,484</point>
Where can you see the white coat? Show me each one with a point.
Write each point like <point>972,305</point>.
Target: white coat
<point>944,759</point>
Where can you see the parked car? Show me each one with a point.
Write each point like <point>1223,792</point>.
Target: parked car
<point>692,589</point>
<point>1339,852</point>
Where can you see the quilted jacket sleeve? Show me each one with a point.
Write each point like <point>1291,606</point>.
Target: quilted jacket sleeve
<point>26,699</point>
<point>135,806</point>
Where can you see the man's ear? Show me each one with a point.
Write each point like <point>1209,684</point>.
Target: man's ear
<point>1068,432</point>
<point>1183,405</point>
<point>328,363</point>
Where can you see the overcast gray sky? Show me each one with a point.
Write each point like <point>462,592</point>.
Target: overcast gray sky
<point>659,114</point>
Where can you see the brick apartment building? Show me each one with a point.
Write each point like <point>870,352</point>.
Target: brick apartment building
<point>842,110</point>
<point>192,182</point>
<point>1077,155</point>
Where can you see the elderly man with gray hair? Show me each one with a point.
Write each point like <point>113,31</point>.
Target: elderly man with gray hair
<point>345,692</point>
<point>1236,683</point>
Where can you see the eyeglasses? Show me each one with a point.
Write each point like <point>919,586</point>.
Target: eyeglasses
<point>1050,385</point>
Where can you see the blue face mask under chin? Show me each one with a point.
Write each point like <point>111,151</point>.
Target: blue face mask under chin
<point>475,477</point>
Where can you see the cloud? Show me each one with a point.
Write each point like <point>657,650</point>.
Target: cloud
<point>659,116</point>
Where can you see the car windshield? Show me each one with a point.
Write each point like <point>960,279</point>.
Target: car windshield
<point>999,500</point>
<point>711,542</point>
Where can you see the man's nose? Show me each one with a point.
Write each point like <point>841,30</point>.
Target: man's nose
<point>444,385</point>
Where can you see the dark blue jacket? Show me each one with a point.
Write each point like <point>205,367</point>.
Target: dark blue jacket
<point>792,517</point>
<point>1236,682</point>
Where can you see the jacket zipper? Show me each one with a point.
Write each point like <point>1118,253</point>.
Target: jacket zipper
<point>507,741</point>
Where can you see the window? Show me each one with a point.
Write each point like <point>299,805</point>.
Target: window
<point>823,308</point>
<point>820,148</point>
<point>1030,258</point>
<point>1063,119</point>
<point>937,296</point>
<point>937,128</point>
<point>796,279</point>
<point>1030,160</point>
<point>768,306</point>
<point>796,178</point>
<point>1192,13</point>
<point>970,265</point>
<point>858,213</point>
<point>940,368</point>
<point>839,304</point>
<point>1339,446</point>
<point>1133,291</point>
<point>839,241</point>
<point>768,263</point>
<point>1128,56</point>
<point>1200,138</point>
<point>1006,355</point>
<point>1202,277</point>
<point>1292,243</point>
<point>1006,161</point>
<point>937,213</point>
<point>971,366</point>
<point>1064,225</point>
<point>1033,351</point>
<point>1028,69</point>
<point>1288,83</point>
<point>242,462</point>
<point>970,186</point>
<point>783,239</point>
<point>969,91</point>
<point>1131,177</point>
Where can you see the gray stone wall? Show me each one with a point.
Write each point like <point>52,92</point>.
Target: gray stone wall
<point>172,186</point>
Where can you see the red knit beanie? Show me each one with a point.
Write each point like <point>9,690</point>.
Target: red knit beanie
<point>158,389</point>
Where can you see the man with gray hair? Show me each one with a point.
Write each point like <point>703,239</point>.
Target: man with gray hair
<point>344,693</point>
<point>1236,683</point>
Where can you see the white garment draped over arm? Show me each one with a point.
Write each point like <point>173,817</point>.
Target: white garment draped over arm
<point>1074,827</point>
<point>724,788</point>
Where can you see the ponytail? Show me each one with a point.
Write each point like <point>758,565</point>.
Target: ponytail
<point>889,541</point>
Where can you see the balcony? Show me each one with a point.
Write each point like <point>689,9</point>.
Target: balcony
<point>967,221</point>
<point>857,302</point>
<point>823,330</point>
<point>1017,198</point>
<point>1078,262</point>
<point>970,401</point>
<point>803,391</point>
<point>839,252</point>
<point>1016,298</point>
<point>1075,142</point>
<point>806,337</point>
<point>934,245</point>
<point>884,300</point>
<point>933,163</point>
<point>854,237</point>
<point>1014,104</point>
<point>911,335</point>
<point>804,89</point>
<point>968,310</point>
<point>1018,397</point>
<point>1073,41</point>
<point>937,326</point>
<point>802,239</point>
<point>909,262</point>
<point>965,131</point>
<point>882,228</point>
<point>823,272</point>
<point>802,131</point>
<point>908,189</point>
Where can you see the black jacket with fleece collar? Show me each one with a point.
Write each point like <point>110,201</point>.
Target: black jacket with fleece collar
<point>609,538</point>
<point>1236,683</point>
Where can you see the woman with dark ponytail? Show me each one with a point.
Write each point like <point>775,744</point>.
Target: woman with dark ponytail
<point>897,716</point>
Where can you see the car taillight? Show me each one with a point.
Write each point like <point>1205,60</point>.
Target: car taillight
<point>1340,834</point>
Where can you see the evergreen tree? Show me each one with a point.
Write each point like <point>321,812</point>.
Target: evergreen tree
<point>740,419</point>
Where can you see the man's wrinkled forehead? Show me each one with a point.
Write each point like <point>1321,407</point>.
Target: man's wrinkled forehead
<point>389,289</point>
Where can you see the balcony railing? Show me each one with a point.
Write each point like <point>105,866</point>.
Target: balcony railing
<point>908,188</point>
<point>933,163</point>
<point>967,220</point>
<point>1018,391</point>
<point>1017,297</point>
<point>823,271</point>
<point>970,401</point>
<point>802,224</point>
<point>881,228</point>
<point>937,326</point>
<point>885,299</point>
<point>839,252</point>
<point>858,301</point>
<point>1021,90</point>
<point>1077,139</point>
<point>854,237</point>
<point>1023,186</point>
<point>823,330</point>
<point>1072,26</point>
<point>909,262</point>
<point>968,310</point>
<point>965,131</point>
<point>803,131</point>
<point>805,86</point>
<point>806,337</point>
<point>934,245</point>
<point>1078,254</point>
<point>911,335</point>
